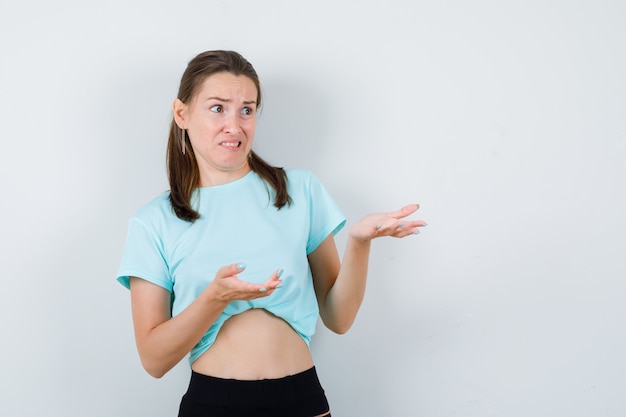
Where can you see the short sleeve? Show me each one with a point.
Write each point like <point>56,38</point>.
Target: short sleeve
<point>143,257</point>
<point>325,216</point>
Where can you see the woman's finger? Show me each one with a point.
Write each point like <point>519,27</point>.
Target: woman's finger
<point>404,211</point>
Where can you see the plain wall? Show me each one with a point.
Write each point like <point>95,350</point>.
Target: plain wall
<point>504,120</point>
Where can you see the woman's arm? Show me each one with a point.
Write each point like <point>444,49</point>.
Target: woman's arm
<point>162,341</point>
<point>340,286</point>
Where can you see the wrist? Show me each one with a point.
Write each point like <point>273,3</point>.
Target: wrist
<point>361,234</point>
<point>211,295</point>
<point>359,242</point>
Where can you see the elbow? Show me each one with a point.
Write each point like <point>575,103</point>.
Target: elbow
<point>337,323</point>
<point>341,330</point>
<point>155,373</point>
<point>155,363</point>
<point>339,327</point>
<point>155,369</point>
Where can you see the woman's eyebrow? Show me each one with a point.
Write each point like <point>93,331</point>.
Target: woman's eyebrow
<point>227,100</point>
<point>217,98</point>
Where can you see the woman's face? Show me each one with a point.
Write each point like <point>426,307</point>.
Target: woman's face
<point>220,121</point>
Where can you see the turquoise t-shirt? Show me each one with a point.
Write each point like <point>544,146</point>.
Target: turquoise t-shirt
<point>238,223</point>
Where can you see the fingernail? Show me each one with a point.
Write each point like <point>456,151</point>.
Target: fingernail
<point>279,273</point>
<point>401,224</point>
<point>417,232</point>
<point>425,224</point>
<point>279,286</point>
<point>378,227</point>
<point>262,289</point>
<point>241,266</point>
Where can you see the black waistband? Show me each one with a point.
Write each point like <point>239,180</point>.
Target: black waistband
<point>227,392</point>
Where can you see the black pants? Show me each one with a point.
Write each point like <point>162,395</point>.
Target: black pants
<point>299,395</point>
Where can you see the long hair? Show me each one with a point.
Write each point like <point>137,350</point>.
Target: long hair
<point>182,169</point>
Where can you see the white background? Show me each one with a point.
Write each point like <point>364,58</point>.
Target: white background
<point>504,120</point>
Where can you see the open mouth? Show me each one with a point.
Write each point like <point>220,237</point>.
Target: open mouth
<point>233,144</point>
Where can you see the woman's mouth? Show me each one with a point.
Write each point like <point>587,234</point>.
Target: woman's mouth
<point>231,145</point>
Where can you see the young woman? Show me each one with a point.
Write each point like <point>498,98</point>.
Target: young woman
<point>236,262</point>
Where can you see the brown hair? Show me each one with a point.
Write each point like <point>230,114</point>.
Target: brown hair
<point>182,169</point>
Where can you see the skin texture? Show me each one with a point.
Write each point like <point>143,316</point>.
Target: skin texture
<point>221,121</point>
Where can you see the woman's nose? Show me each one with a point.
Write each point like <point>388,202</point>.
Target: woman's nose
<point>231,124</point>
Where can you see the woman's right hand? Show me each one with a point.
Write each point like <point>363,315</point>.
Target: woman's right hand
<point>226,286</point>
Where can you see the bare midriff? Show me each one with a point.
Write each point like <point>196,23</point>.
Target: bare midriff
<point>255,345</point>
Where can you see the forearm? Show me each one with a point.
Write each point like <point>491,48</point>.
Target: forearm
<point>166,344</point>
<point>346,295</point>
<point>340,286</point>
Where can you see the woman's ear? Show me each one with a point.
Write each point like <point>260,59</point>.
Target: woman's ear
<point>180,113</point>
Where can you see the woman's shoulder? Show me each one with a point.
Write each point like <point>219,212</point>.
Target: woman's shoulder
<point>157,209</point>
<point>298,175</point>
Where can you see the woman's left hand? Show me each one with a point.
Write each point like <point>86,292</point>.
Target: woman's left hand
<point>387,224</point>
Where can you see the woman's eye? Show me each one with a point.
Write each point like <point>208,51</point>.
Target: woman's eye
<point>246,111</point>
<point>217,108</point>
